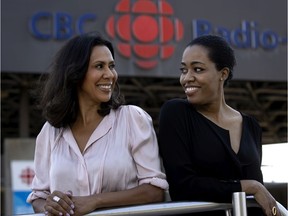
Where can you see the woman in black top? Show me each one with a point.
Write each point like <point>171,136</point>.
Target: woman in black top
<point>209,149</point>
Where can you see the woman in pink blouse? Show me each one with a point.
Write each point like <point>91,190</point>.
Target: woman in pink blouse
<point>93,152</point>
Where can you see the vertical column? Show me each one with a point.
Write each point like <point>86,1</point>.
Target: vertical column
<point>239,204</point>
<point>24,113</point>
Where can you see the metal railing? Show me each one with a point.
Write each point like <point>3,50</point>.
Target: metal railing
<point>239,206</point>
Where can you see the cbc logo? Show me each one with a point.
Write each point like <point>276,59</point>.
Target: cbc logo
<point>145,30</point>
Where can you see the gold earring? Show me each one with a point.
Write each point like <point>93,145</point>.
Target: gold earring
<point>221,79</point>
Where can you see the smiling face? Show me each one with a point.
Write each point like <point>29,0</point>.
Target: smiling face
<point>100,78</point>
<point>199,78</point>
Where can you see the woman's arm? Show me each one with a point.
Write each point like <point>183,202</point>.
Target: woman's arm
<point>261,195</point>
<point>80,205</point>
<point>142,194</point>
<point>41,180</point>
<point>51,206</point>
<point>38,205</point>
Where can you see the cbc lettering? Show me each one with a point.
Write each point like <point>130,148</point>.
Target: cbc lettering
<point>61,26</point>
<point>245,37</point>
<point>58,26</point>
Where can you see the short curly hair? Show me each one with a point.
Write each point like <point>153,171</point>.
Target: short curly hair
<point>219,52</point>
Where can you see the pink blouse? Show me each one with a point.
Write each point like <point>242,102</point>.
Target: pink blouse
<point>120,154</point>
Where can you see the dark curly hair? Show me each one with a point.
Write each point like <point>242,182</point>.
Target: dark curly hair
<point>219,52</point>
<point>58,98</point>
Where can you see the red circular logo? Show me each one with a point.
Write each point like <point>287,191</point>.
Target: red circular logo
<point>146,30</point>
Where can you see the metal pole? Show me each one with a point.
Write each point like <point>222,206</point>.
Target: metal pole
<point>228,212</point>
<point>239,204</point>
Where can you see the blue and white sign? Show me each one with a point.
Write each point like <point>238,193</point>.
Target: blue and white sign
<point>22,173</point>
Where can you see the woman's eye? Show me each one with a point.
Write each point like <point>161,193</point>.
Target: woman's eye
<point>112,66</point>
<point>99,66</point>
<point>197,69</point>
<point>184,70</point>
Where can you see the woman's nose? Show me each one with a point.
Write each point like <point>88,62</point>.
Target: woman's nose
<point>190,76</point>
<point>108,73</point>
